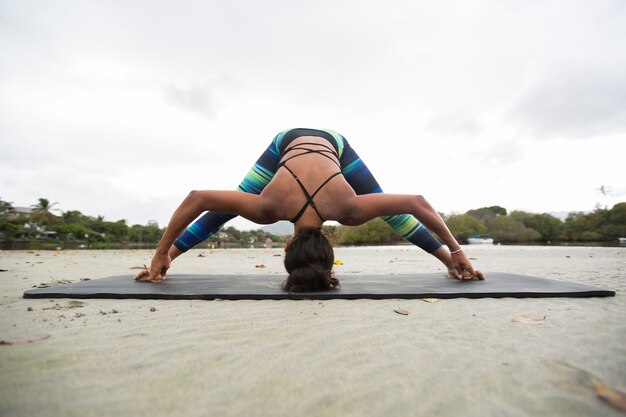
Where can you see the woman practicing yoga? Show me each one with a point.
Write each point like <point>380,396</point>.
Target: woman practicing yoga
<point>308,176</point>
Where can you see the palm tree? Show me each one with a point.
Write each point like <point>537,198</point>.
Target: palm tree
<point>42,212</point>
<point>5,208</point>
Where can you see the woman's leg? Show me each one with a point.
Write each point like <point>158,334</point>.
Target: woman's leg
<point>363,182</point>
<point>254,182</point>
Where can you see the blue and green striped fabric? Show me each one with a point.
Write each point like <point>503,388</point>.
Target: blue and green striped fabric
<point>354,170</point>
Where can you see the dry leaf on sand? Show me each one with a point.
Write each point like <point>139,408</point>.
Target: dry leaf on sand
<point>23,340</point>
<point>615,398</point>
<point>401,311</point>
<point>259,266</point>
<point>526,319</point>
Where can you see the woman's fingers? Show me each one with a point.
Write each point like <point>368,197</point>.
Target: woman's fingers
<point>157,275</point>
<point>470,273</point>
<point>464,271</point>
<point>147,276</point>
<point>452,273</point>
<point>141,275</point>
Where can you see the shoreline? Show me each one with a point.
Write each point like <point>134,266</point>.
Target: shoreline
<point>54,246</point>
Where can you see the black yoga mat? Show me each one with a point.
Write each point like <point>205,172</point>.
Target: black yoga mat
<point>263,287</point>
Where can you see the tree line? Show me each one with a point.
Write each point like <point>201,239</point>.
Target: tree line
<point>42,225</point>
<point>601,225</point>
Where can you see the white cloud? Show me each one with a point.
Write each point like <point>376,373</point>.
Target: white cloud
<point>578,103</point>
<point>504,152</point>
<point>457,123</point>
<point>121,108</point>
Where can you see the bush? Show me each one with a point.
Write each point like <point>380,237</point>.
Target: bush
<point>506,230</point>
<point>373,232</point>
<point>464,225</point>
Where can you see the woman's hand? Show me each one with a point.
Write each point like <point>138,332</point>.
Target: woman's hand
<point>463,268</point>
<point>158,269</point>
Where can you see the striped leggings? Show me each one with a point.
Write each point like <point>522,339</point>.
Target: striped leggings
<point>354,170</point>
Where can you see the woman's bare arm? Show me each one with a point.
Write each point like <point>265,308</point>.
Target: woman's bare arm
<point>247,205</point>
<point>197,202</point>
<point>370,206</point>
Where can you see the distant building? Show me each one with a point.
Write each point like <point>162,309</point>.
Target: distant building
<point>46,234</point>
<point>22,210</point>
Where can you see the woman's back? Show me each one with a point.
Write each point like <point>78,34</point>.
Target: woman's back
<point>309,186</point>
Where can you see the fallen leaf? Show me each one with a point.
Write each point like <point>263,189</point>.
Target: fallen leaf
<point>259,266</point>
<point>277,254</point>
<point>526,319</point>
<point>338,262</point>
<point>615,398</point>
<point>201,255</point>
<point>430,300</point>
<point>401,311</point>
<point>23,340</point>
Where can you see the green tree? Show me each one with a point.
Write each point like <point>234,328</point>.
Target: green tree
<point>575,225</point>
<point>116,231</point>
<point>485,213</point>
<point>73,217</point>
<point>616,226</point>
<point>234,235</point>
<point>617,215</point>
<point>42,212</point>
<point>373,232</point>
<point>8,230</point>
<point>464,225</point>
<point>6,208</point>
<point>97,224</point>
<point>549,227</point>
<point>150,233</point>
<point>506,229</point>
<point>594,226</point>
<point>70,231</point>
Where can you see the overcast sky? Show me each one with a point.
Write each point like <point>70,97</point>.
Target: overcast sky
<point>120,108</point>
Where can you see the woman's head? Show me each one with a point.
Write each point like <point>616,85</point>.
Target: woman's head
<point>309,261</point>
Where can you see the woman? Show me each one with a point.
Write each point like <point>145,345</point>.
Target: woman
<point>308,176</point>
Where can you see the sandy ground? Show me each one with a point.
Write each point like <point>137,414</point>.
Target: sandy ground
<point>290,358</point>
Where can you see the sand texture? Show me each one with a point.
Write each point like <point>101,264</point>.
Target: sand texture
<point>312,358</point>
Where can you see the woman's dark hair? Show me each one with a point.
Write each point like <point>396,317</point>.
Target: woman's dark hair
<point>309,259</point>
